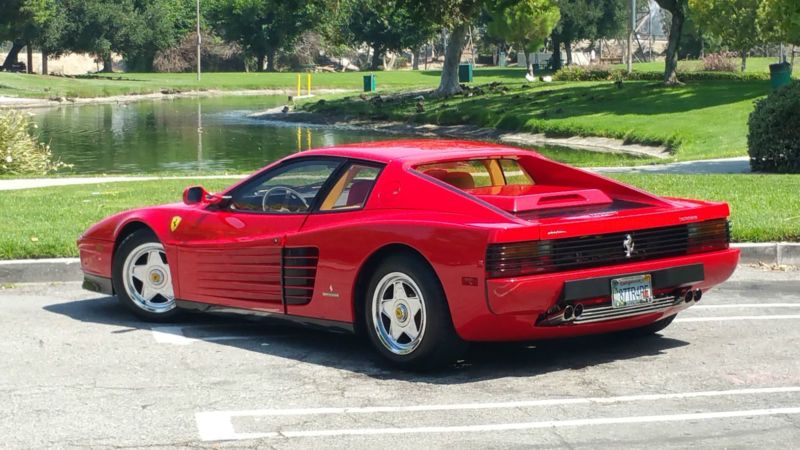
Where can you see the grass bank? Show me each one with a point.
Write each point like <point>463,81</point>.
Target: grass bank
<point>764,208</point>
<point>45,222</point>
<point>698,120</point>
<point>104,85</point>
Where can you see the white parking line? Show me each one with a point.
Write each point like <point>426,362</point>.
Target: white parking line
<point>747,305</point>
<point>730,318</point>
<point>175,336</point>
<point>218,426</point>
<point>527,425</point>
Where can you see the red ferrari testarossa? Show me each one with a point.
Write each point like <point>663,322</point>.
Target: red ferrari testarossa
<point>422,245</point>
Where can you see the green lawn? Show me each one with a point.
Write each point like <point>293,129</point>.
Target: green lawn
<point>754,65</point>
<point>698,120</point>
<point>103,85</point>
<point>764,208</point>
<point>46,222</point>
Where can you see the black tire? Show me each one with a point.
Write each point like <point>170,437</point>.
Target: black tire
<point>438,344</point>
<point>128,245</point>
<point>649,330</point>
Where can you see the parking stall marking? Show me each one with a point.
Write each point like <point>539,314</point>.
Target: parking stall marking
<point>745,305</point>
<point>175,335</point>
<point>218,425</point>
<point>732,318</point>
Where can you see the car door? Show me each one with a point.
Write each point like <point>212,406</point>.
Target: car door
<point>234,254</point>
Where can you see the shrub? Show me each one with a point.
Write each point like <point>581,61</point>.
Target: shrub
<point>587,73</point>
<point>20,152</point>
<point>774,138</point>
<point>719,62</point>
<point>216,55</point>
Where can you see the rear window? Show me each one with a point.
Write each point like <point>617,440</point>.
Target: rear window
<point>478,173</point>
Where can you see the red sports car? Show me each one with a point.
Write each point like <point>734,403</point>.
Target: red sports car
<point>422,245</point>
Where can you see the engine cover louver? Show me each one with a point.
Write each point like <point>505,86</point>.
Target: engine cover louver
<point>299,269</point>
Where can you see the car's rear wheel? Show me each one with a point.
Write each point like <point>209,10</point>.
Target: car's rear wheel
<point>142,277</point>
<point>407,317</point>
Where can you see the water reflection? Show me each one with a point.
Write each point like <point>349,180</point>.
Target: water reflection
<point>183,135</point>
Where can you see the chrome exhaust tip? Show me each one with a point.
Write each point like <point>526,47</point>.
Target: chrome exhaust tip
<point>578,311</point>
<point>698,294</point>
<point>569,312</point>
<point>688,296</point>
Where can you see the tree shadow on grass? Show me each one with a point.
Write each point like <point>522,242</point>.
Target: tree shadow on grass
<point>634,98</point>
<point>350,353</point>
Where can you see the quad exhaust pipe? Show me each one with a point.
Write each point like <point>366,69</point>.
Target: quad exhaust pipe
<point>568,314</point>
<point>691,295</point>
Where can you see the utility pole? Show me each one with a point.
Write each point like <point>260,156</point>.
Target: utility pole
<point>631,30</point>
<point>199,40</point>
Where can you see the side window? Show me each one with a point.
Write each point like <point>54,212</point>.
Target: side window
<point>351,189</point>
<point>461,174</point>
<point>290,189</point>
<point>514,173</point>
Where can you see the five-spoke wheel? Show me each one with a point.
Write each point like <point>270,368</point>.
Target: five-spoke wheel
<point>399,313</point>
<point>142,277</point>
<point>406,314</point>
<point>147,278</point>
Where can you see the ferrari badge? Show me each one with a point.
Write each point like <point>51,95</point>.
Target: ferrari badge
<point>175,222</point>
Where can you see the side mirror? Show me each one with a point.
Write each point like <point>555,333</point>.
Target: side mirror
<point>197,194</point>
<point>194,195</point>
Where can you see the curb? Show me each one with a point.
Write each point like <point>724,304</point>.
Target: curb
<point>783,253</point>
<point>69,269</point>
<point>40,270</point>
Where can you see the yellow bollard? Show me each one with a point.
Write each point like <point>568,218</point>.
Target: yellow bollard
<point>299,140</point>
<point>298,85</point>
<point>308,83</point>
<point>308,138</point>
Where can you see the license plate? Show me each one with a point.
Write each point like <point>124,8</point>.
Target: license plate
<point>633,290</point>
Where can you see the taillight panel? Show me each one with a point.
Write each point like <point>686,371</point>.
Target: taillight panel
<point>536,257</point>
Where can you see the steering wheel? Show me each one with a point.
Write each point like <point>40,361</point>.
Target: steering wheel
<point>289,191</point>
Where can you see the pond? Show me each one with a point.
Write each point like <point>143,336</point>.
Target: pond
<point>190,135</point>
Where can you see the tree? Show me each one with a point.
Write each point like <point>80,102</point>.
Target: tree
<point>734,21</point>
<point>779,21</point>
<point>31,22</point>
<point>678,10</point>
<point>586,19</point>
<point>457,16</point>
<point>11,17</point>
<point>387,25</point>
<point>156,25</point>
<point>526,23</point>
<point>263,27</point>
<point>100,27</point>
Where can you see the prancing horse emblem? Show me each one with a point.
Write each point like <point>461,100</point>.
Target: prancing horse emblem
<point>628,244</point>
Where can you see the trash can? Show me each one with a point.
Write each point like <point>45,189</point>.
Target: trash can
<point>780,74</point>
<point>464,73</point>
<point>501,60</point>
<point>370,85</point>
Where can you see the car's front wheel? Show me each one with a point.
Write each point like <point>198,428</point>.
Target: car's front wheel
<point>408,320</point>
<point>142,277</point>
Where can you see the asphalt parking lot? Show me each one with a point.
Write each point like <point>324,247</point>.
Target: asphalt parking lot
<point>78,371</point>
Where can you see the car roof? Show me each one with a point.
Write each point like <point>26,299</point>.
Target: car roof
<point>416,151</point>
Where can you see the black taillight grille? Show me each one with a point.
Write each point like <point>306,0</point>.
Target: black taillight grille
<point>534,257</point>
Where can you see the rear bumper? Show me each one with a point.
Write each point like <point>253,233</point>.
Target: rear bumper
<point>516,305</point>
